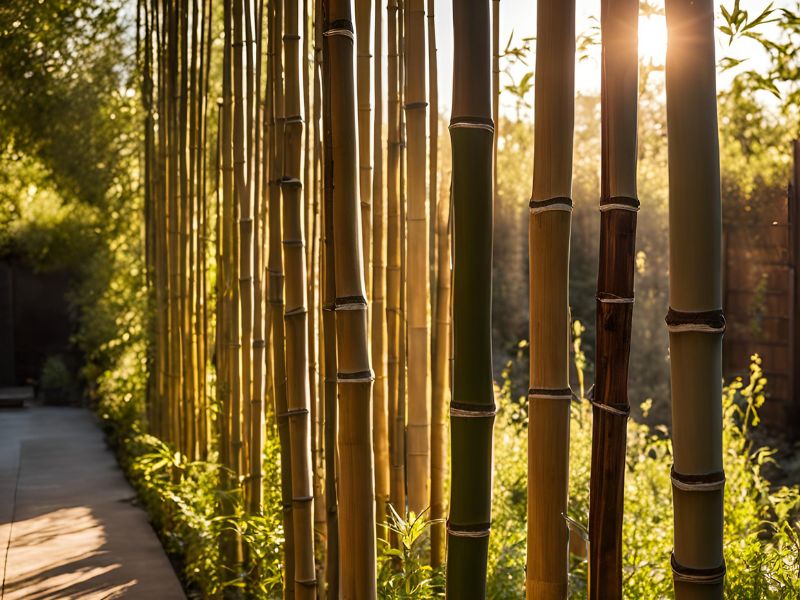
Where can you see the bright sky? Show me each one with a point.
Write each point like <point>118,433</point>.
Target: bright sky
<point>519,17</point>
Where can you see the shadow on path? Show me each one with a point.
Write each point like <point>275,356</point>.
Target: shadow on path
<point>68,528</point>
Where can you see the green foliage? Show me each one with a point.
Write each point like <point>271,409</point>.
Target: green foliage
<point>183,499</point>
<point>402,572</point>
<point>55,375</point>
<point>762,533</point>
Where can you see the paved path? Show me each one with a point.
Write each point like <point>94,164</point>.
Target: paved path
<point>68,525</point>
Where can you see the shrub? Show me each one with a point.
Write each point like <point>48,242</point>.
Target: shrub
<point>762,533</point>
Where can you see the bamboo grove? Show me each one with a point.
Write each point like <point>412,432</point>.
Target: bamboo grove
<point>313,275</point>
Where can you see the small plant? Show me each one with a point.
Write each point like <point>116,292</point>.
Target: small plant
<point>56,381</point>
<point>403,572</point>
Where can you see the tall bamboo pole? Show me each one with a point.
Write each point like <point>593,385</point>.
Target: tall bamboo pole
<point>695,320</point>
<point>549,231</point>
<point>356,474</point>
<point>228,334</point>
<point>495,88</point>
<point>330,363</point>
<point>402,353</point>
<point>380,425</point>
<point>441,382</point>
<point>393,281</point>
<point>296,315</point>
<point>440,306</point>
<point>256,432</point>
<point>315,324</point>
<point>618,206</point>
<point>245,241</point>
<point>363,23</point>
<point>418,434</point>
<point>184,222</point>
<point>276,298</point>
<point>472,408</point>
<point>192,212</point>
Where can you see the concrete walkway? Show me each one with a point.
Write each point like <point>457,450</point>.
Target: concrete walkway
<point>68,524</point>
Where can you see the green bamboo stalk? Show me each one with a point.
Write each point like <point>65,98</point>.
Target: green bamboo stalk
<point>549,233</point>
<point>618,206</point>
<point>472,408</point>
<point>695,320</point>
<point>356,474</point>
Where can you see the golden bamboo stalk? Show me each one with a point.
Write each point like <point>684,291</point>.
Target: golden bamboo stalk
<point>549,233</point>
<point>363,23</point>
<point>441,383</point>
<point>276,297</point>
<point>296,315</point>
<point>418,433</point>
<point>695,320</point>
<point>380,421</point>
<point>393,282</point>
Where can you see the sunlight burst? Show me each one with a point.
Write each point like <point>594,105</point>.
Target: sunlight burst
<point>653,39</point>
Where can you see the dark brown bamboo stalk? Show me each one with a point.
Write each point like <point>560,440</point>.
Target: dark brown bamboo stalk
<point>618,206</point>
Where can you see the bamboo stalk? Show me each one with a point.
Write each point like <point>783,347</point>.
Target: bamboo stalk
<point>695,320</point>
<point>363,23</point>
<point>276,299</point>
<point>402,391</point>
<point>356,474</point>
<point>296,316</point>
<point>241,398</point>
<point>330,364</point>
<point>418,433</point>
<point>549,233</point>
<point>184,222</point>
<point>255,495</point>
<point>441,383</point>
<point>495,88</point>
<point>472,408</point>
<point>393,281</point>
<point>618,206</point>
<point>315,324</point>
<point>228,334</point>
<point>440,308</point>
<point>380,424</point>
